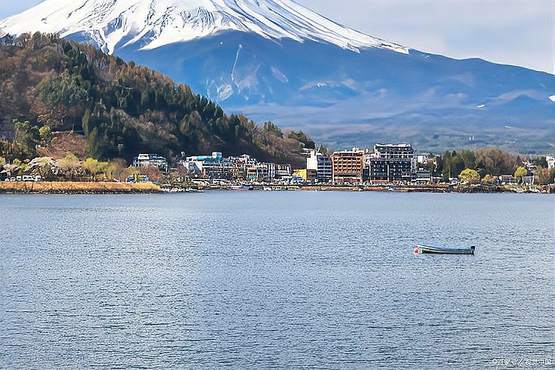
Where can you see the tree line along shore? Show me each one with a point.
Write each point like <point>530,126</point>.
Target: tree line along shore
<point>56,169</point>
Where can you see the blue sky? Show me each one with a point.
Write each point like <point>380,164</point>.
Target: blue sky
<point>519,32</point>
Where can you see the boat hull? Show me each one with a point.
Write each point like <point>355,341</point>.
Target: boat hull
<point>423,249</point>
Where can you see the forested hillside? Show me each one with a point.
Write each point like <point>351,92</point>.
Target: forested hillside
<point>121,108</point>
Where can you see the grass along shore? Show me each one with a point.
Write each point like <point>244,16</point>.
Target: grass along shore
<point>73,187</point>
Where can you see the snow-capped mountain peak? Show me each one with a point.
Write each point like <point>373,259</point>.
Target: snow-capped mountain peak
<point>155,23</point>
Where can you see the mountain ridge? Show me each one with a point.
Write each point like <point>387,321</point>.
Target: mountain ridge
<point>156,23</point>
<point>385,89</point>
<point>121,109</point>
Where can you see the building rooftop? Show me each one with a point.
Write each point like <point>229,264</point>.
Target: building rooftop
<point>395,145</point>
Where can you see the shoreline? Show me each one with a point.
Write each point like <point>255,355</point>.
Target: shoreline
<point>77,187</point>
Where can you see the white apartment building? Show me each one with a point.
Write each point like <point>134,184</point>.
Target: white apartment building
<point>321,164</point>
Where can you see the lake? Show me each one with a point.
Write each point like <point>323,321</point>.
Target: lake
<point>275,280</point>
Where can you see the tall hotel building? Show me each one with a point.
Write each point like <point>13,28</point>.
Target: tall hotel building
<point>348,166</point>
<point>392,162</point>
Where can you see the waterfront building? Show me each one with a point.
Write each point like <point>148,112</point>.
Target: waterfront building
<point>436,179</point>
<point>283,171</point>
<point>426,160</point>
<point>507,179</point>
<point>301,174</point>
<point>347,166</point>
<point>271,175</point>
<point>392,162</point>
<point>216,156</point>
<point>215,166</point>
<point>550,161</point>
<point>261,172</point>
<point>192,168</point>
<point>304,175</point>
<point>244,167</point>
<point>423,176</point>
<point>241,164</point>
<point>422,158</point>
<point>151,160</point>
<point>223,169</point>
<point>321,164</point>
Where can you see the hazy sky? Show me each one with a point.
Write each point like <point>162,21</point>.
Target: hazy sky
<point>519,32</point>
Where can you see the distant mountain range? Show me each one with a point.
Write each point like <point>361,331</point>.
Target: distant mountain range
<point>274,59</point>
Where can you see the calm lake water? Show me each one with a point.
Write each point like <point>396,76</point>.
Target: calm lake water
<point>275,279</point>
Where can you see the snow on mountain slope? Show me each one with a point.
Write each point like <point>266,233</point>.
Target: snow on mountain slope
<point>276,60</point>
<point>155,23</point>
